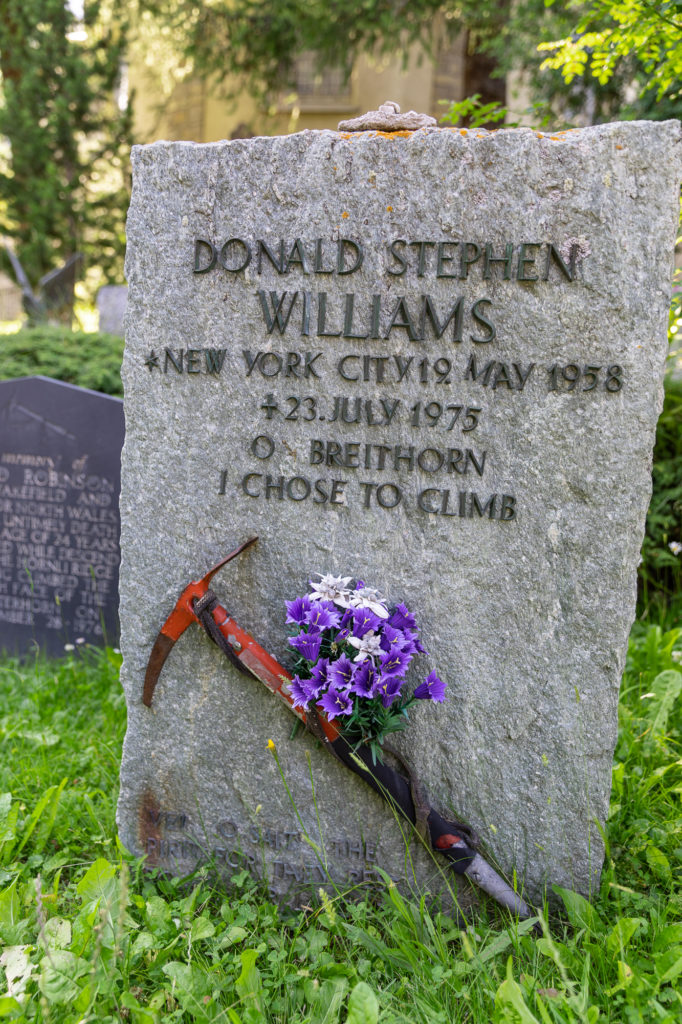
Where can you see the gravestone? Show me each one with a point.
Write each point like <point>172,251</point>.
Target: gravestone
<point>111,305</point>
<point>60,452</point>
<point>432,360</point>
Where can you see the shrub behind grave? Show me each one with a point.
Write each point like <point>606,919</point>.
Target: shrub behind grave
<point>88,360</point>
<point>661,568</point>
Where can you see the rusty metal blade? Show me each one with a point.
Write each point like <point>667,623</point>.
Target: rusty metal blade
<point>160,651</point>
<point>228,558</point>
<point>179,619</point>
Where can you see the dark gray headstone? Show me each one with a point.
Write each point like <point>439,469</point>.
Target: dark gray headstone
<point>60,476</point>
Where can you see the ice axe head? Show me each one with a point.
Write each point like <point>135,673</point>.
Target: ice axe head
<point>180,618</point>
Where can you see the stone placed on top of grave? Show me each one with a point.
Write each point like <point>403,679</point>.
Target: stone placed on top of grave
<point>388,118</point>
<point>432,361</point>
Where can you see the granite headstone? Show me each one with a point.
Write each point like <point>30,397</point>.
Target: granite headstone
<point>60,472</point>
<point>432,360</point>
<point>111,305</point>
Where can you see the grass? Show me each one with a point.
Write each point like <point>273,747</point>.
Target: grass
<point>87,935</point>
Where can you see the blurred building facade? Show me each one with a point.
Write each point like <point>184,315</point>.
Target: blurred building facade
<point>195,110</point>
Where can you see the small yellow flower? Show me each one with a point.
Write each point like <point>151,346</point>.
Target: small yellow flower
<point>271,745</point>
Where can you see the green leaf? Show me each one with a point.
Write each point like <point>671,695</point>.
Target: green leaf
<point>10,905</point>
<point>659,864</point>
<point>56,933</point>
<point>580,912</point>
<point>669,965</point>
<point>249,984</point>
<point>59,973</point>
<point>622,932</point>
<point>158,915</point>
<point>327,1001</point>
<point>363,1005</point>
<point>48,803</point>
<point>509,997</point>
<point>201,928</point>
<point>5,805</point>
<point>18,967</point>
<point>232,936</point>
<point>143,942</point>
<point>501,943</point>
<point>8,831</point>
<point>666,688</point>
<point>625,977</point>
<point>667,937</point>
<point>140,1014</point>
<point>9,1007</point>
<point>98,882</point>
<point>192,987</point>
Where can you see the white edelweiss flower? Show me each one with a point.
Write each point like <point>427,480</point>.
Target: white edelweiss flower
<point>331,588</point>
<point>69,647</point>
<point>676,655</point>
<point>675,547</point>
<point>370,598</point>
<point>368,646</point>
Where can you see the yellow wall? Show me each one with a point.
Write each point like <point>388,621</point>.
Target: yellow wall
<point>195,111</point>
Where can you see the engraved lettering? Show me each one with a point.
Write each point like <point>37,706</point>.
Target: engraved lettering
<point>278,317</point>
<point>200,245</point>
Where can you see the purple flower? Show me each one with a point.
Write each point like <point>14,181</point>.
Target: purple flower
<point>303,691</point>
<point>345,626</point>
<point>432,688</point>
<point>340,673</point>
<point>322,615</point>
<point>307,644</point>
<point>394,639</point>
<point>336,703</point>
<point>364,679</point>
<point>388,689</point>
<point>403,618</point>
<point>394,662</point>
<point>364,620</point>
<point>296,610</point>
<point>319,674</point>
<point>414,644</point>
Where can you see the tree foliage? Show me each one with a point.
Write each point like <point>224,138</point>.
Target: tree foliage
<point>610,31</point>
<point>63,168</point>
<point>604,53</point>
<point>259,41</point>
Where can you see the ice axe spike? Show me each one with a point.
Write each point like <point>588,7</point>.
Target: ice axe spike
<point>182,616</point>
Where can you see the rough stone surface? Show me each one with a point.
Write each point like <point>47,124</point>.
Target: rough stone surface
<point>111,305</point>
<point>526,617</point>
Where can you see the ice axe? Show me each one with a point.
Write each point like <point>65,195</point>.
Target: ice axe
<point>403,791</point>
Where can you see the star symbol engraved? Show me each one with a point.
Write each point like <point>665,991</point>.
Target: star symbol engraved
<point>152,361</point>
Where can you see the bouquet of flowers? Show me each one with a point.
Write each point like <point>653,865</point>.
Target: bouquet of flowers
<point>352,654</point>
